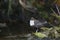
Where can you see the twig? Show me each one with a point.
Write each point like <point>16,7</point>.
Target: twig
<point>57,9</point>
<point>53,10</point>
<point>27,7</point>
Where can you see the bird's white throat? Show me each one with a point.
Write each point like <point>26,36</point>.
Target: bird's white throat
<point>32,23</point>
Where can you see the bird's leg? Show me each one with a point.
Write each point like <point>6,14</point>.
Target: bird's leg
<point>37,30</point>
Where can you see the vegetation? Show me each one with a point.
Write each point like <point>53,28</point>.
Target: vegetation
<point>19,12</point>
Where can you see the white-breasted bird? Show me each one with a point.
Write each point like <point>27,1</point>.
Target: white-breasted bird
<point>37,23</point>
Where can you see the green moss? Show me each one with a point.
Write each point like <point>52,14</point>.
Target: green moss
<point>40,35</point>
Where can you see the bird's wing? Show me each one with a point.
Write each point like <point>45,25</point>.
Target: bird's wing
<point>38,23</point>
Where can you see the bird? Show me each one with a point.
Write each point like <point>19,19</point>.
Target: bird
<point>36,23</point>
